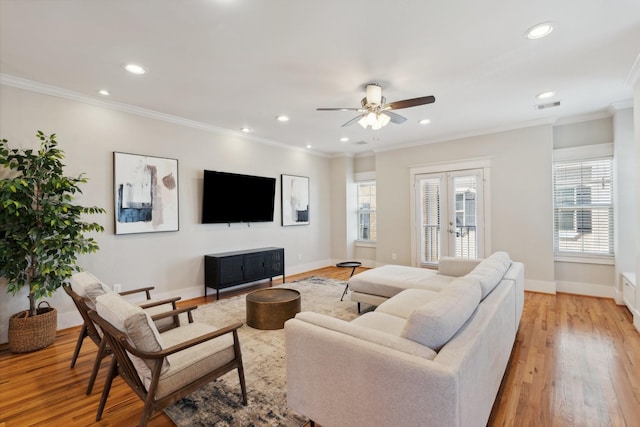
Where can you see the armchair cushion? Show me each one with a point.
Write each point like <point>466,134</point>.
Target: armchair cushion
<point>140,329</point>
<point>437,321</point>
<point>88,286</point>
<point>190,364</point>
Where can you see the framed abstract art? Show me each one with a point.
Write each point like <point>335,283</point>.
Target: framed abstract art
<point>295,200</point>
<point>145,193</point>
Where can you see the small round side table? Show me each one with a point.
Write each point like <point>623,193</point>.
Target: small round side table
<point>348,264</point>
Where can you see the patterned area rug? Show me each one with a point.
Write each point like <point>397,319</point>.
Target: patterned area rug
<point>219,402</point>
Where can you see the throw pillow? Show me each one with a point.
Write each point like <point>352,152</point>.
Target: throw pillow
<point>490,271</point>
<point>437,321</point>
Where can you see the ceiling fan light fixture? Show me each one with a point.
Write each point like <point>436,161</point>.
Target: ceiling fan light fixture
<point>376,121</point>
<point>374,94</point>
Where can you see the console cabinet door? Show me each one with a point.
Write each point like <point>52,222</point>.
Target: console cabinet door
<point>254,266</point>
<point>274,263</point>
<point>231,270</point>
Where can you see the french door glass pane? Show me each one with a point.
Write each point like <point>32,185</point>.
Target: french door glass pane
<point>465,231</point>
<point>430,194</point>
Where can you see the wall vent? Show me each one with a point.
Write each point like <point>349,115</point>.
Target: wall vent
<point>549,105</point>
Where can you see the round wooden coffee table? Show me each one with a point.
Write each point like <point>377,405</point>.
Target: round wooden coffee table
<point>270,308</point>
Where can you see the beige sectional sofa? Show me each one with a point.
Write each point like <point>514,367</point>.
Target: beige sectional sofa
<point>431,354</point>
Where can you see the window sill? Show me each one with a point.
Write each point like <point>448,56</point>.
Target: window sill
<point>585,259</point>
<point>365,243</point>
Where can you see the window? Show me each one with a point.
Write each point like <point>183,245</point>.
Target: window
<point>367,211</point>
<point>583,204</point>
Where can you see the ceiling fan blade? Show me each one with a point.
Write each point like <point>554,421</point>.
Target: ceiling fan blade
<point>352,121</point>
<point>395,118</point>
<point>337,109</point>
<point>414,102</point>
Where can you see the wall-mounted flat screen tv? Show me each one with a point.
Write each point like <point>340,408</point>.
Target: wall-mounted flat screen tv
<point>230,197</point>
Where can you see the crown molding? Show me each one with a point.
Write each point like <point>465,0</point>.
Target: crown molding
<point>620,105</point>
<point>464,135</point>
<point>45,89</point>
<point>634,73</point>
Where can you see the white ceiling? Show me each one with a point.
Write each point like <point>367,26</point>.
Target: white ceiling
<point>233,63</point>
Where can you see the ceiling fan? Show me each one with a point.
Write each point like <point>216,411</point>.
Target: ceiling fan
<point>376,112</point>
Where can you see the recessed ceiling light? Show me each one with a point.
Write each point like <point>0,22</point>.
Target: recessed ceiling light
<point>308,145</point>
<point>545,95</point>
<point>104,92</point>
<point>424,121</point>
<point>282,118</point>
<point>344,139</point>
<point>540,30</point>
<point>135,69</point>
<point>246,130</point>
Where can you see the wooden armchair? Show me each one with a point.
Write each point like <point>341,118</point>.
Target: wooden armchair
<point>88,288</point>
<point>162,369</point>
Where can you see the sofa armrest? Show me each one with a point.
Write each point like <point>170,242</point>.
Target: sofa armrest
<point>456,267</point>
<point>337,379</point>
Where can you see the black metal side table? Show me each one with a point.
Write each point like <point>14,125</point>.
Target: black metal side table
<point>348,264</point>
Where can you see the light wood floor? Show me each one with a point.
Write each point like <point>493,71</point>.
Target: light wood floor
<point>576,362</point>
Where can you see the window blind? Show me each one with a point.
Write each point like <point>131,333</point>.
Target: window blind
<point>583,206</point>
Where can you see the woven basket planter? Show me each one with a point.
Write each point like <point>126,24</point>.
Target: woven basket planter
<point>30,333</point>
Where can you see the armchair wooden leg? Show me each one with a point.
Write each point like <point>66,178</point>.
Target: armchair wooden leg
<point>81,337</point>
<point>243,385</point>
<point>113,371</point>
<point>102,352</point>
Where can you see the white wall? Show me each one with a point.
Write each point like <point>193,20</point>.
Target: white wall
<point>364,252</point>
<point>626,195</point>
<point>520,196</point>
<point>172,261</point>
<point>576,277</point>
<point>342,227</point>
<point>634,80</point>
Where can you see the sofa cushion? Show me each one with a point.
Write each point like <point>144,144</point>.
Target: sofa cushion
<point>456,267</point>
<point>403,304</point>
<point>490,271</point>
<point>437,321</point>
<point>132,320</point>
<point>381,322</point>
<point>388,280</point>
<point>367,333</point>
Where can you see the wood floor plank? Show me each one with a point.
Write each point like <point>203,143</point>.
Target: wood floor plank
<point>575,362</point>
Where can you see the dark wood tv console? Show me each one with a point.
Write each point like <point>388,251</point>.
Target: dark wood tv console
<point>227,269</point>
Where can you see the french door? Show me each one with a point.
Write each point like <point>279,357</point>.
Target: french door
<point>449,215</point>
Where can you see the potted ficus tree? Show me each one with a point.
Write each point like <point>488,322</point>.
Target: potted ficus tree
<point>42,232</point>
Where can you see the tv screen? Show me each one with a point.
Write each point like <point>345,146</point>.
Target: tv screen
<point>230,197</point>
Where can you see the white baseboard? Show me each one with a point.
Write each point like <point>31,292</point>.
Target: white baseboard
<point>636,322</point>
<point>617,296</point>
<point>541,286</point>
<point>588,289</point>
